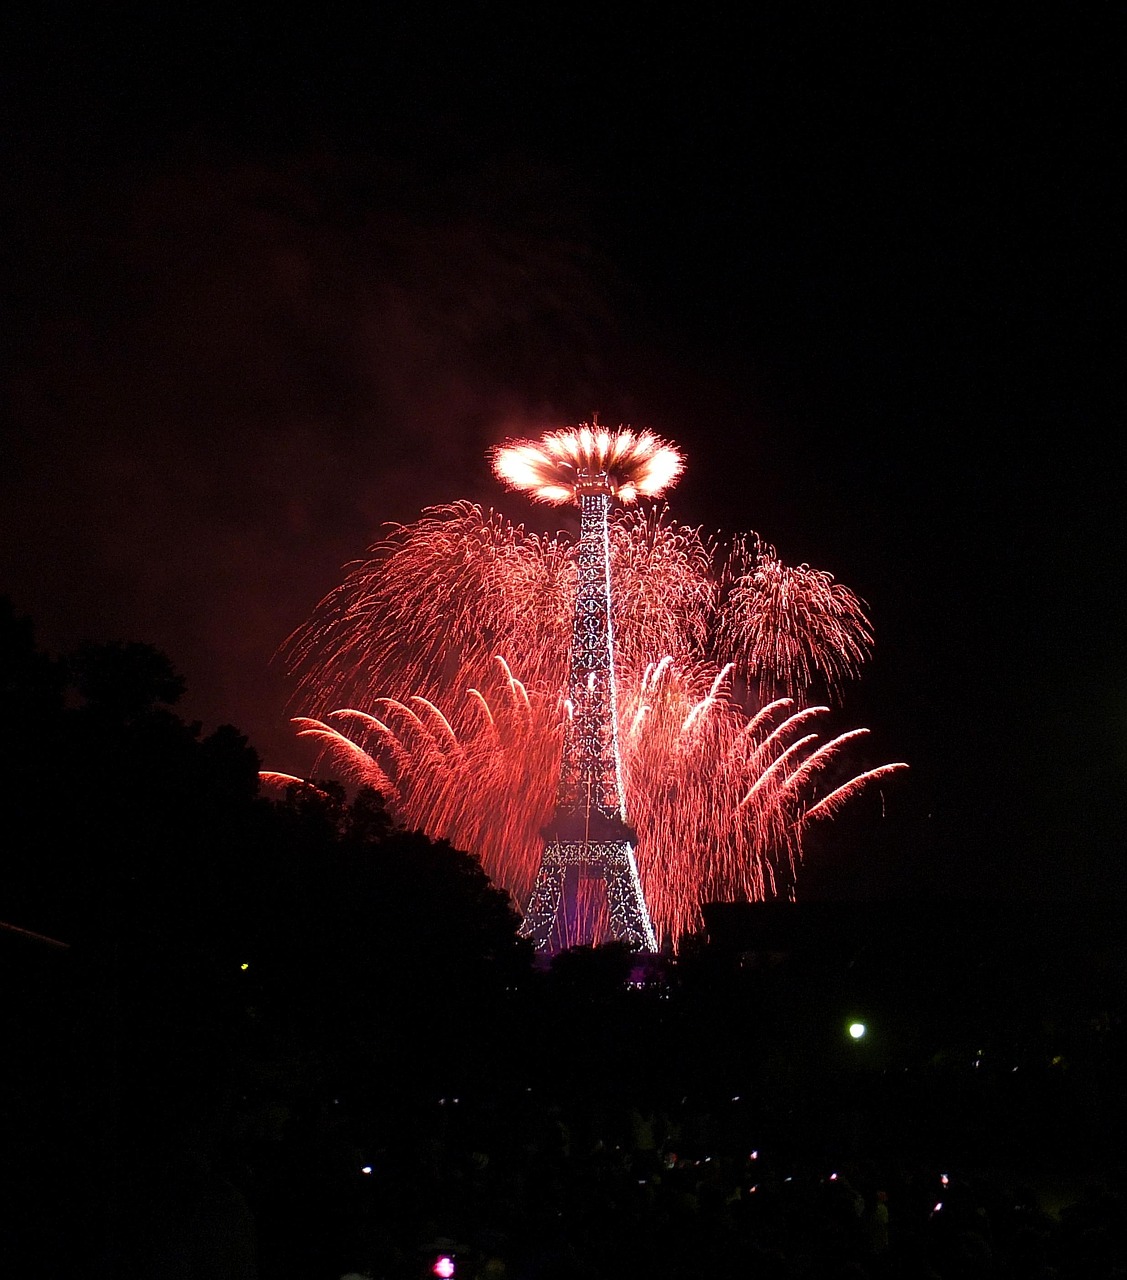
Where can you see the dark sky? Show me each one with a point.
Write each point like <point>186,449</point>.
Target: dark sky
<point>270,285</point>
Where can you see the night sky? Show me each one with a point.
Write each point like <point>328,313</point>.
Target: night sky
<point>270,286</point>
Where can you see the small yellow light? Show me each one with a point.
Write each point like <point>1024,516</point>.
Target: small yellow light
<point>244,966</point>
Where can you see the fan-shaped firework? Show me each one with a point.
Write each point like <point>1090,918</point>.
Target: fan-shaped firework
<point>719,798</point>
<point>562,465</point>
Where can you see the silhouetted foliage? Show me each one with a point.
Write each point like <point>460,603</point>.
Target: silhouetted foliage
<point>598,972</point>
<point>227,953</point>
<point>262,999</point>
<point>31,682</point>
<point>123,681</point>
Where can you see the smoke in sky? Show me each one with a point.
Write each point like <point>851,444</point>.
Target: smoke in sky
<point>236,375</point>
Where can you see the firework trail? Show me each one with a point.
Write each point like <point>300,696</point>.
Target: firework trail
<point>437,673</point>
<point>484,779</point>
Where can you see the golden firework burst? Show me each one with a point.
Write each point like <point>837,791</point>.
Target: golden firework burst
<point>561,466</point>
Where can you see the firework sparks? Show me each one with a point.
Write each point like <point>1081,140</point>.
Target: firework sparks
<point>717,650</point>
<point>789,627</point>
<point>425,614</point>
<point>437,599</point>
<point>484,779</point>
<point>720,799</point>
<point>562,465</point>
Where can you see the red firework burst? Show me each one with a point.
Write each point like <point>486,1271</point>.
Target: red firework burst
<point>789,627</point>
<point>448,650</point>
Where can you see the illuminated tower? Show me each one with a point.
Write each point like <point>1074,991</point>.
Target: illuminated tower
<point>588,837</point>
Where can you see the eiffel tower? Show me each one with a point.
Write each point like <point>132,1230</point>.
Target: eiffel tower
<point>588,837</point>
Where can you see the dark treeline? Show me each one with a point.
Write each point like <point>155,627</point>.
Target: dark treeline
<point>275,1039</point>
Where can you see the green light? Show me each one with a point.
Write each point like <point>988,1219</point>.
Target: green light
<point>857,1030</point>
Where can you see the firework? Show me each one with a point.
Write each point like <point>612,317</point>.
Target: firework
<point>438,673</point>
<point>437,599</point>
<point>719,798</point>
<point>482,777</point>
<point>427,612</point>
<point>789,628</point>
<point>563,465</point>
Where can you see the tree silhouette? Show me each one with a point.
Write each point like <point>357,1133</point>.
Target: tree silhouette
<point>216,939</point>
<point>124,680</point>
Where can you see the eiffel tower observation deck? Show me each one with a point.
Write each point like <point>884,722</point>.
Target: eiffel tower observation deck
<point>588,837</point>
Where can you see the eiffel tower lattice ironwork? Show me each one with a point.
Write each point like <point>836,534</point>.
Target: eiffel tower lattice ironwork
<point>588,836</point>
